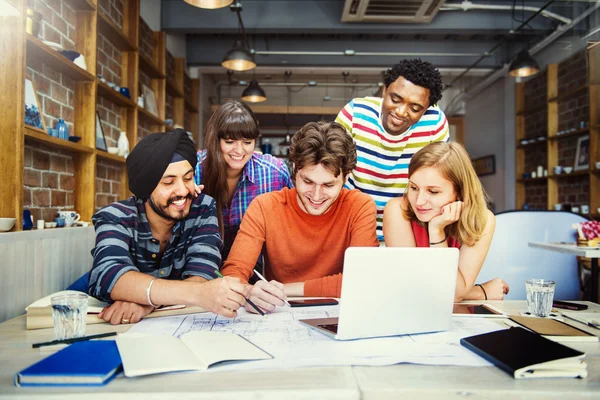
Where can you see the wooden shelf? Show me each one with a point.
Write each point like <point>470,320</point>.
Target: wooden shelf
<point>525,180</point>
<point>536,143</point>
<point>190,107</point>
<point>107,156</point>
<point>147,66</point>
<point>172,90</point>
<point>569,93</point>
<point>40,136</point>
<point>573,173</point>
<point>113,33</point>
<point>81,5</point>
<point>44,53</point>
<point>143,113</point>
<point>577,132</point>
<point>111,94</point>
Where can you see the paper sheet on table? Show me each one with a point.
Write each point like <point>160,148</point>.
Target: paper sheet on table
<point>294,345</point>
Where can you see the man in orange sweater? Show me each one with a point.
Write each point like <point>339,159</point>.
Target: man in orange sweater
<point>305,230</point>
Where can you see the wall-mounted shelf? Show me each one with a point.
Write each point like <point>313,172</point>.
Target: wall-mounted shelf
<point>172,90</point>
<point>569,93</point>
<point>44,53</point>
<point>81,5</point>
<point>525,180</point>
<point>116,97</point>
<point>107,156</point>
<point>576,132</point>
<point>573,173</point>
<point>143,113</point>
<point>147,67</point>
<point>40,136</point>
<point>114,34</point>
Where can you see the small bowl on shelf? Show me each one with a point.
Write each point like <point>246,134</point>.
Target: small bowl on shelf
<point>113,150</point>
<point>74,139</point>
<point>568,170</point>
<point>597,164</point>
<point>6,224</point>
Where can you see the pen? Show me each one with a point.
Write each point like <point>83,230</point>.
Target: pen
<point>258,310</point>
<point>262,278</point>
<point>73,340</point>
<point>593,324</point>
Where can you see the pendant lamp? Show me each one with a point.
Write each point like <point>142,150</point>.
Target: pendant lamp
<point>524,65</point>
<point>238,58</point>
<point>254,93</point>
<point>210,4</point>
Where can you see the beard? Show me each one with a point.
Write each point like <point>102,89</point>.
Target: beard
<point>161,211</point>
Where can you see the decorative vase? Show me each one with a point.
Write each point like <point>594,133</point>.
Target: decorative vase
<point>63,129</point>
<point>123,144</point>
<point>27,221</point>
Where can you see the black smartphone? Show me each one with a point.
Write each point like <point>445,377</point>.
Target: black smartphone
<point>312,302</point>
<point>567,305</point>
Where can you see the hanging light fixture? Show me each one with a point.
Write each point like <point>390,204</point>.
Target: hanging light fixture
<point>239,58</point>
<point>254,93</point>
<point>210,4</point>
<point>524,65</point>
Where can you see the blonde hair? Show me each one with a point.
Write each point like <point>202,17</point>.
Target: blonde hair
<point>454,164</point>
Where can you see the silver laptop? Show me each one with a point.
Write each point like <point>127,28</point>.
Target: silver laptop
<point>388,291</point>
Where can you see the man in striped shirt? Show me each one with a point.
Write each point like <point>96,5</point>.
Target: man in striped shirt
<point>390,129</point>
<point>161,247</point>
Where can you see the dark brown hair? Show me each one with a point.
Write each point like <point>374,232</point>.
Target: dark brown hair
<point>325,143</point>
<point>231,120</point>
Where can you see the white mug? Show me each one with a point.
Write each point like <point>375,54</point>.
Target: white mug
<point>70,217</point>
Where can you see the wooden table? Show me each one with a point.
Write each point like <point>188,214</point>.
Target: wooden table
<point>398,381</point>
<point>593,253</point>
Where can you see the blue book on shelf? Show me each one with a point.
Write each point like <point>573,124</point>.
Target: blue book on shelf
<point>88,363</point>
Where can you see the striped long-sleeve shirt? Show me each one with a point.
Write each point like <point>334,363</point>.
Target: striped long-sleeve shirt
<point>124,242</point>
<point>382,165</point>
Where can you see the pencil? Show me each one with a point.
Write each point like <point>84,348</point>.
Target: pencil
<point>258,310</point>
<point>73,340</point>
<point>262,278</point>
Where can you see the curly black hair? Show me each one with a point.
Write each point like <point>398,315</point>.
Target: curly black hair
<point>419,72</point>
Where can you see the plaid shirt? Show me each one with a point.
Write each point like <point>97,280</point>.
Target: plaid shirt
<point>262,174</point>
<point>124,242</point>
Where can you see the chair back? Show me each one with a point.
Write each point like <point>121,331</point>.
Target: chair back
<point>511,258</point>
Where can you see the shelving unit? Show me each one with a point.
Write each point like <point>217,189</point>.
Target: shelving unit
<point>91,22</point>
<point>554,182</point>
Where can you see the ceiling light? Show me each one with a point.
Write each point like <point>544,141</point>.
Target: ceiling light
<point>524,65</point>
<point>254,93</point>
<point>238,58</point>
<point>210,4</point>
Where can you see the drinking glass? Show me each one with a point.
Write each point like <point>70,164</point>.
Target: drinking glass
<point>69,313</point>
<point>540,294</point>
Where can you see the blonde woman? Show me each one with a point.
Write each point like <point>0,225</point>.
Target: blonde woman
<point>445,206</point>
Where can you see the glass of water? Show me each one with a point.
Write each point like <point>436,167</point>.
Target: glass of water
<point>540,294</point>
<point>69,313</point>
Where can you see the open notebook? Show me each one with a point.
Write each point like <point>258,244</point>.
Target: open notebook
<point>155,354</point>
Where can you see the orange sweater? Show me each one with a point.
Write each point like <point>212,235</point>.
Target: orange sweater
<point>300,247</point>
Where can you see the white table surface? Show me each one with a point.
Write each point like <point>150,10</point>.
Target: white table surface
<point>568,248</point>
<point>392,382</point>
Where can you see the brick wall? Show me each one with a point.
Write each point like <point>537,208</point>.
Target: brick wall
<point>536,195</point>
<point>573,111</point>
<point>49,173</point>
<point>574,190</point>
<point>536,90</point>
<point>572,72</point>
<point>536,123</point>
<point>146,39</point>
<point>108,183</point>
<point>112,9</point>
<point>534,156</point>
<point>48,181</point>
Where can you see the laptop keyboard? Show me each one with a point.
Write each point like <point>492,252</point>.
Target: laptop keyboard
<point>329,327</point>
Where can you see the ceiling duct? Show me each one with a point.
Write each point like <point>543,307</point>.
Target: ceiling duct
<point>391,11</point>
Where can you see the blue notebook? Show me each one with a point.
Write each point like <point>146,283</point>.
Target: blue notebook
<point>93,362</point>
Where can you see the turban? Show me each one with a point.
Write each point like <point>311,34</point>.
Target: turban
<point>150,158</point>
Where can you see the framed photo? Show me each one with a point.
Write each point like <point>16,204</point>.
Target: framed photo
<point>100,139</point>
<point>149,100</point>
<point>485,165</point>
<point>33,116</point>
<point>582,155</point>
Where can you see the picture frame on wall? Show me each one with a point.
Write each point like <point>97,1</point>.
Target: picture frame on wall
<point>149,100</point>
<point>100,139</point>
<point>485,165</point>
<point>582,155</point>
<point>33,115</point>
